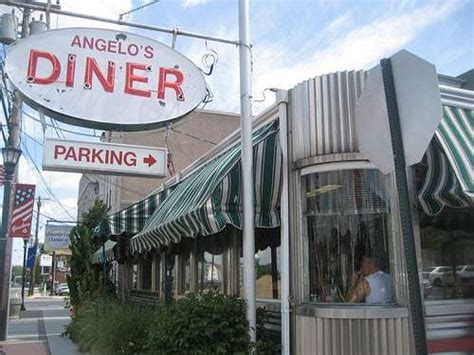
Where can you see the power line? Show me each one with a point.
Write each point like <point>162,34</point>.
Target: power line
<point>43,180</point>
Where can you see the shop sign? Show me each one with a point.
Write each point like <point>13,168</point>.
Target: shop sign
<point>104,79</point>
<point>46,260</point>
<point>57,239</point>
<point>104,158</point>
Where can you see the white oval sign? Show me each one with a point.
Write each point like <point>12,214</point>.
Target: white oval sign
<point>104,79</point>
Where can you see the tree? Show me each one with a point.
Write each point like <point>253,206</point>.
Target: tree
<point>83,279</point>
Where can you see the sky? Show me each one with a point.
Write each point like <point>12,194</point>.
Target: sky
<point>293,40</point>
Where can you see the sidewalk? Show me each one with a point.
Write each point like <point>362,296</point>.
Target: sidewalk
<point>39,329</point>
<point>12,347</point>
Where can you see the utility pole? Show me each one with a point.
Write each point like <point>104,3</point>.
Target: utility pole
<point>31,290</point>
<point>12,145</point>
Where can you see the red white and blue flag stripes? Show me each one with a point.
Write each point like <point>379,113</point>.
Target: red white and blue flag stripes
<point>22,213</point>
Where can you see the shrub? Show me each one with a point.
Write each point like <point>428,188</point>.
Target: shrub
<point>211,324</point>
<point>110,328</point>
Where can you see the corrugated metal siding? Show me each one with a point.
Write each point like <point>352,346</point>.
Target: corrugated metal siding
<point>325,336</point>
<point>322,114</point>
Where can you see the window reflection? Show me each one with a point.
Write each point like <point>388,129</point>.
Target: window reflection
<point>210,272</point>
<point>348,228</point>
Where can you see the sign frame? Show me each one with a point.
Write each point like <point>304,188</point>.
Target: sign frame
<point>78,168</point>
<point>39,102</point>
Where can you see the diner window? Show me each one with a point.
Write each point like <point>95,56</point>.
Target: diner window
<point>185,276</point>
<point>267,273</point>
<point>211,262</point>
<point>448,261</point>
<point>348,225</point>
<point>210,272</point>
<point>145,274</point>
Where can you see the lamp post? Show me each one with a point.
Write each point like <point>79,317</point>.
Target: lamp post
<point>10,160</point>
<point>23,278</point>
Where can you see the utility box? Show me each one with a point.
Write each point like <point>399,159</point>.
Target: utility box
<point>37,26</point>
<point>9,28</point>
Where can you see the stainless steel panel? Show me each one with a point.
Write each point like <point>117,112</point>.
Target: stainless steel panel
<point>322,119</point>
<point>377,336</point>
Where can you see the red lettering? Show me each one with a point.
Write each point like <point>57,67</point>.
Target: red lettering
<point>33,63</point>
<point>148,52</point>
<point>130,159</point>
<point>96,156</point>
<point>71,154</point>
<point>59,150</point>
<point>130,78</point>
<point>71,70</point>
<point>89,43</point>
<point>76,41</point>
<point>84,153</point>
<point>93,67</point>
<point>120,51</point>
<point>175,85</point>
<point>100,44</point>
<point>115,157</point>
<point>112,46</point>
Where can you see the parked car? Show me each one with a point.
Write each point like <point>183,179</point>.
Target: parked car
<point>61,289</point>
<point>465,273</point>
<point>427,288</point>
<point>426,271</point>
<point>442,276</point>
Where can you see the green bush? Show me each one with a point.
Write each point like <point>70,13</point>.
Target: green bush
<point>110,328</point>
<point>207,324</point>
<point>210,324</point>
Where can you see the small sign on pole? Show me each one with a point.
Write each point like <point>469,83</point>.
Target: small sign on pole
<point>104,158</point>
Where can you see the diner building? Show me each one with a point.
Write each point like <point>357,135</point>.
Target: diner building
<point>340,209</point>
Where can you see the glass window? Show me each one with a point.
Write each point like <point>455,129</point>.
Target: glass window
<point>185,272</point>
<point>347,216</point>
<point>267,273</point>
<point>145,274</point>
<point>210,272</point>
<point>450,253</point>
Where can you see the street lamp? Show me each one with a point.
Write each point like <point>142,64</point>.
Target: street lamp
<point>11,156</point>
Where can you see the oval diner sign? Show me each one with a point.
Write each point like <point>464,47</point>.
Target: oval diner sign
<point>104,79</point>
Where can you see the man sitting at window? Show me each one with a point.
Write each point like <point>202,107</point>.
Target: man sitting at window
<point>373,285</point>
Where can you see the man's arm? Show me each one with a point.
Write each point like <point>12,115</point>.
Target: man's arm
<point>361,291</point>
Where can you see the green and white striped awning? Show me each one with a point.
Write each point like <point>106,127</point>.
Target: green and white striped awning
<point>450,158</point>
<point>210,198</point>
<point>132,219</point>
<point>98,256</point>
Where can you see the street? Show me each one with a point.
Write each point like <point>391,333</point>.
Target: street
<point>39,329</point>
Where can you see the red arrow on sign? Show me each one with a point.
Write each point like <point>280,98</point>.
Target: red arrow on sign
<point>150,160</point>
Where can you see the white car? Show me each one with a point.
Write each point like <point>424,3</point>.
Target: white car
<point>61,289</point>
<point>465,273</point>
<point>442,276</point>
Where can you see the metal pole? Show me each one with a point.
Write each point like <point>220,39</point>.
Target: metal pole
<point>247,165</point>
<point>5,242</point>
<point>282,99</point>
<point>416,306</point>
<point>5,256</point>
<point>173,31</point>
<point>23,277</point>
<point>53,272</point>
<point>104,271</point>
<point>31,290</point>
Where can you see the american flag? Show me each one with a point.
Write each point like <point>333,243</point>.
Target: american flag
<point>2,175</point>
<point>22,213</point>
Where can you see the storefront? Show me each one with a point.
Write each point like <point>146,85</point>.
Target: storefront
<point>341,209</point>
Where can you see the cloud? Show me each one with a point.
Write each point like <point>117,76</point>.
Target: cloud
<point>359,48</point>
<point>191,3</point>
